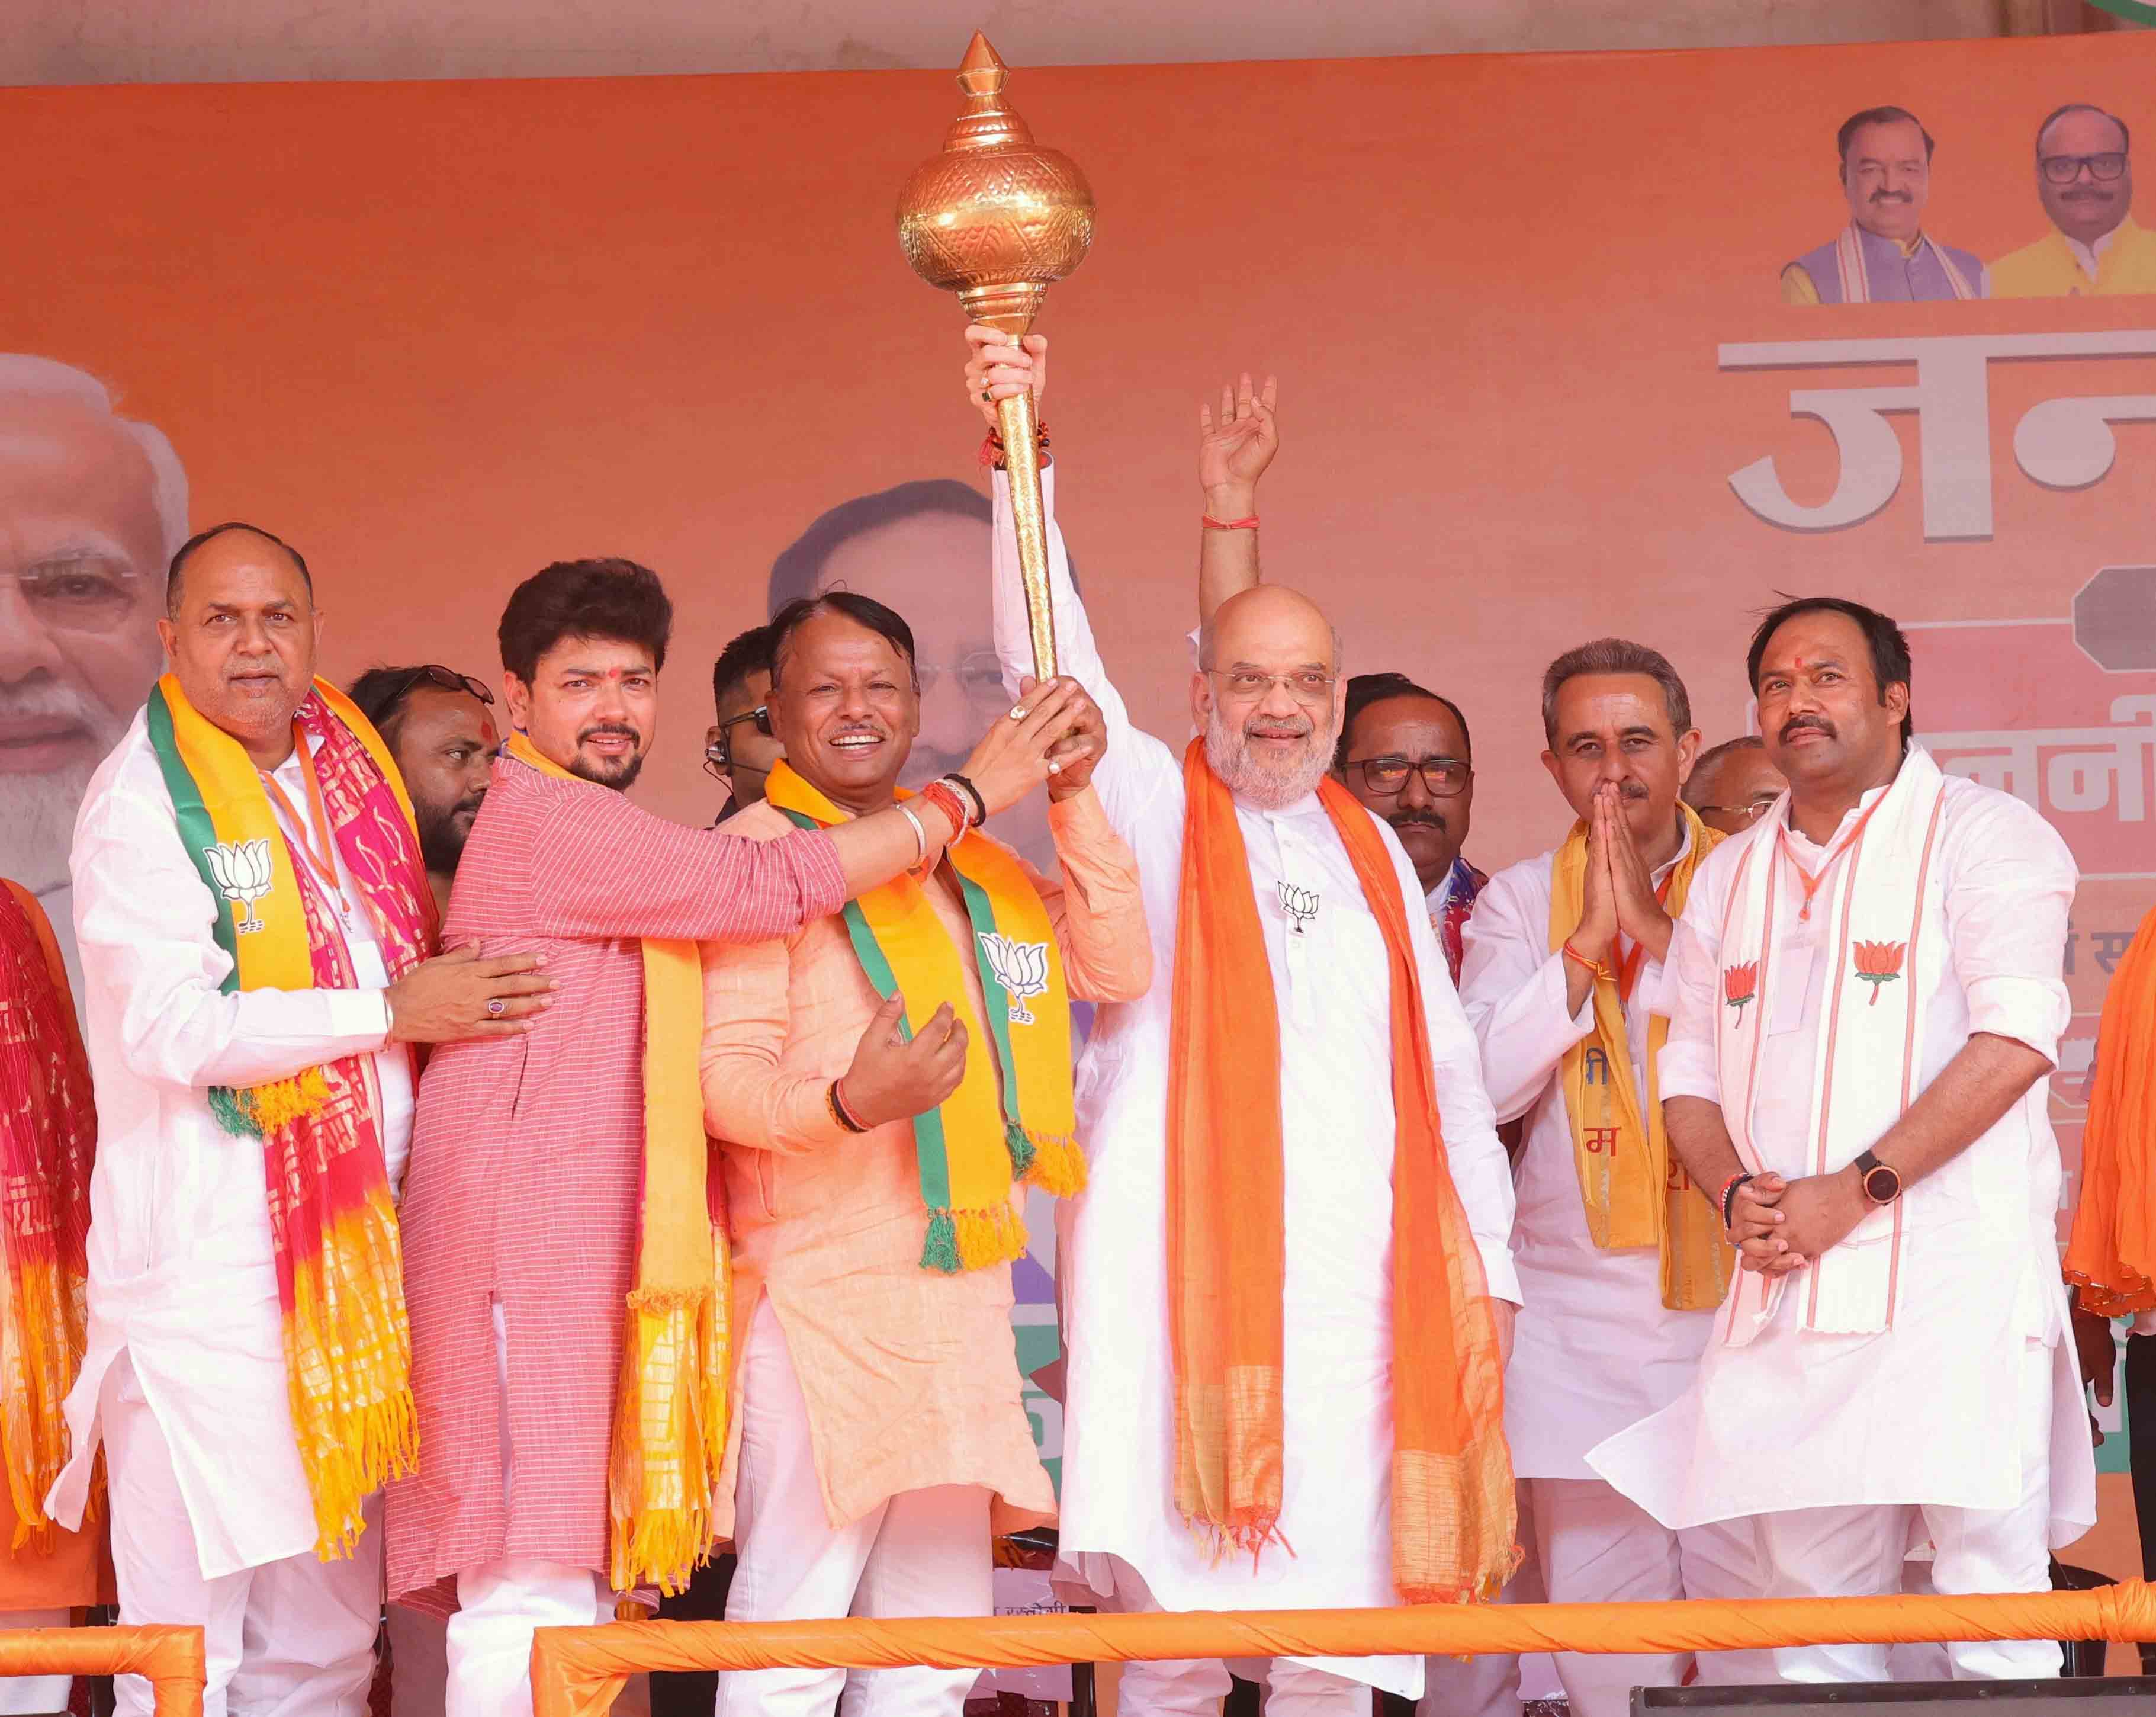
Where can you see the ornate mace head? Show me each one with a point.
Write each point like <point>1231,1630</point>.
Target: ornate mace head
<point>995,217</point>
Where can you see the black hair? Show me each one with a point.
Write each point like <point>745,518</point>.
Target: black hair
<point>746,653</point>
<point>603,597</point>
<point>1364,690</point>
<point>382,694</point>
<point>2050,119</point>
<point>174,582</point>
<point>862,610</point>
<point>1877,116</point>
<point>1890,649</point>
<point>1616,656</point>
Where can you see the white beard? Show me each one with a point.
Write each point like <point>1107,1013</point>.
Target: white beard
<point>1269,784</point>
<point>39,827</point>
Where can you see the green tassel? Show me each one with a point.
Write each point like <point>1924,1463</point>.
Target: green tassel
<point>233,1114</point>
<point>939,1250</point>
<point>1021,1149</point>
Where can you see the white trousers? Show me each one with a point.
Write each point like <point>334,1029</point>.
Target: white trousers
<point>34,1695</point>
<point>487,1648</point>
<point>922,1553</point>
<point>292,1638</point>
<point>1858,1552</point>
<point>1596,1546</point>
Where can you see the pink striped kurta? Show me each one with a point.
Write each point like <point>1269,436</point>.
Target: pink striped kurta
<point>526,1159</point>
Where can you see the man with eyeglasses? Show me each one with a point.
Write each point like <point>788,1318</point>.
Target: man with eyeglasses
<point>739,750</point>
<point>1404,752</point>
<point>439,725</point>
<point>1622,1260</point>
<point>1734,784</point>
<point>2084,179</point>
<point>92,505</point>
<point>1883,256</point>
<point>1286,1270</point>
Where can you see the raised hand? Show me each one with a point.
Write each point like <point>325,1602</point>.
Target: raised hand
<point>1595,939</point>
<point>1234,449</point>
<point>1013,757</point>
<point>458,996</point>
<point>997,369</point>
<point>893,1080</point>
<point>1071,759</point>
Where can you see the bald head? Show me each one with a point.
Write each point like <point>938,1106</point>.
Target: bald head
<point>1269,621</point>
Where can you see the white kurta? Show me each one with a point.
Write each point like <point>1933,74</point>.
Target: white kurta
<point>1925,1412</point>
<point>1337,1128</point>
<point>1596,1349</point>
<point>182,1273</point>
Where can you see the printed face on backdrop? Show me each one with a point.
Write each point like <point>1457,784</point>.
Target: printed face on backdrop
<point>82,561</point>
<point>1397,745</point>
<point>2084,175</point>
<point>1617,728</point>
<point>1825,717</point>
<point>845,708</point>
<point>750,754</point>
<point>1888,178</point>
<point>592,706</point>
<point>1268,696</point>
<point>242,637</point>
<point>444,743</point>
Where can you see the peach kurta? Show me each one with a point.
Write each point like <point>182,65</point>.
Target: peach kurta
<point>911,1377</point>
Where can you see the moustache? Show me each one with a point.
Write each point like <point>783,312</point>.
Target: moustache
<point>610,730</point>
<point>1892,197</point>
<point>1631,790</point>
<point>468,805</point>
<point>1417,819</point>
<point>1807,724</point>
<point>1272,727</point>
<point>46,699</point>
<point>2092,194</point>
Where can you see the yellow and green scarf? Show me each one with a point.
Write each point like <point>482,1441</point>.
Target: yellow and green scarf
<point>340,1266</point>
<point>670,1407</point>
<point>1013,1120</point>
<point>1636,1196</point>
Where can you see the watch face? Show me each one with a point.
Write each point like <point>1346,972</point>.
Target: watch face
<point>1882,1185</point>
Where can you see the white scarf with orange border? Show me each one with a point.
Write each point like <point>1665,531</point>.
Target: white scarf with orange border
<point>1880,906</point>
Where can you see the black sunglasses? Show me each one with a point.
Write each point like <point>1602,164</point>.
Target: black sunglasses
<point>449,679</point>
<point>719,753</point>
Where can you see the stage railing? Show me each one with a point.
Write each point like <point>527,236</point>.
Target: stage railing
<point>577,1672</point>
<point>171,1658</point>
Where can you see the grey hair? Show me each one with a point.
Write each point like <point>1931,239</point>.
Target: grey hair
<point>1206,636</point>
<point>23,376</point>
<point>1615,655</point>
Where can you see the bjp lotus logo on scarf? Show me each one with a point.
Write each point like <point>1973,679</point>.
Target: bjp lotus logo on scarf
<point>244,876</point>
<point>1878,964</point>
<point>1021,968</point>
<point>1740,985</point>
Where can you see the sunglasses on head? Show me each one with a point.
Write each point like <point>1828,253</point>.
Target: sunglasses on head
<point>449,679</point>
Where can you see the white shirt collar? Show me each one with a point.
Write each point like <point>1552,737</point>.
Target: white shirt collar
<point>2090,256</point>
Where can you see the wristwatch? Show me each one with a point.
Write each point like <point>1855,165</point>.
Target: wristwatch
<point>1882,1185</point>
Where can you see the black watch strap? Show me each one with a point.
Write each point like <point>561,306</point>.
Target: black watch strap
<point>1729,1197</point>
<point>1881,1184</point>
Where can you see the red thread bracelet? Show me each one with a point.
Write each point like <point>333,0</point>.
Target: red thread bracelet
<point>1596,967</point>
<point>1213,524</point>
<point>945,798</point>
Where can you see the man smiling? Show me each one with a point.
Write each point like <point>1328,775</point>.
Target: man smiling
<point>1883,255</point>
<point>882,1082</point>
<point>2085,181</point>
<point>562,1259</point>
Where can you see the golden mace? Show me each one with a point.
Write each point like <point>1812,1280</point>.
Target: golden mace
<point>997,218</point>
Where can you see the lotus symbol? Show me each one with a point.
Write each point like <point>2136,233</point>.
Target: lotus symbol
<point>243,875</point>
<point>1021,968</point>
<point>1300,904</point>
<point>1740,985</point>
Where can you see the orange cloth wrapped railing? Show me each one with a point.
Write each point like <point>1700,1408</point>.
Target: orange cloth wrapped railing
<point>171,1658</point>
<point>577,1672</point>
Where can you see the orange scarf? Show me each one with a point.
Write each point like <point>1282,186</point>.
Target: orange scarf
<point>47,1144</point>
<point>2111,1257</point>
<point>1453,1519</point>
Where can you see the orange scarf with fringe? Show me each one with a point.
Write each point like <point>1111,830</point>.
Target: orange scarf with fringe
<point>2111,1258</point>
<point>47,1144</point>
<point>1452,1516</point>
<point>340,1260</point>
